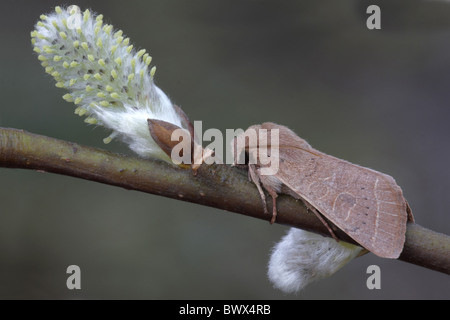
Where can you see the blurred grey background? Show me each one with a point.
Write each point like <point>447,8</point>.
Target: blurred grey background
<point>377,98</point>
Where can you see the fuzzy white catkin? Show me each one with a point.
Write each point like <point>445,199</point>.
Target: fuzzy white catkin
<point>108,80</point>
<point>302,257</point>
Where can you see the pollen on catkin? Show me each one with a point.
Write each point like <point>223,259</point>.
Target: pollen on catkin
<point>97,66</point>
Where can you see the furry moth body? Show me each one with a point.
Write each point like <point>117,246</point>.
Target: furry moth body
<point>367,205</point>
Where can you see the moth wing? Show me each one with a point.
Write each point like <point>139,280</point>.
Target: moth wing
<point>367,205</point>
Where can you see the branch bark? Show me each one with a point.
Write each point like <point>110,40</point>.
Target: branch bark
<point>218,186</point>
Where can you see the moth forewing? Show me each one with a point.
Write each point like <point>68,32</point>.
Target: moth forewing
<point>367,205</point>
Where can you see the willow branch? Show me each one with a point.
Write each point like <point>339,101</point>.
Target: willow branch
<point>218,186</point>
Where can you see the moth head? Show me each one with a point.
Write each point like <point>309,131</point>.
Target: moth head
<point>263,139</point>
<point>245,146</point>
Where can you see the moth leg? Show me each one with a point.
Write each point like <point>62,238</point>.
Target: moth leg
<point>318,215</point>
<point>255,178</point>
<point>274,196</point>
<point>272,186</point>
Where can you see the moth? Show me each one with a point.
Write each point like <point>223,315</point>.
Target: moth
<point>367,205</point>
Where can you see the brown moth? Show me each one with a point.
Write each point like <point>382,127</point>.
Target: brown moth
<point>367,205</point>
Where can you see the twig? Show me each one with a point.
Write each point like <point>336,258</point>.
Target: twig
<point>218,186</point>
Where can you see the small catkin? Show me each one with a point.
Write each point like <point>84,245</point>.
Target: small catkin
<point>302,257</point>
